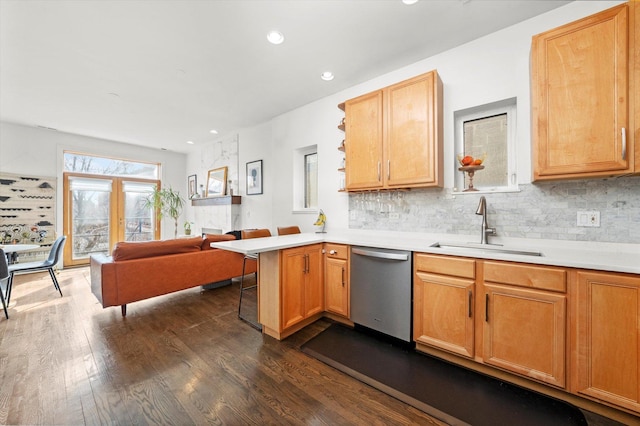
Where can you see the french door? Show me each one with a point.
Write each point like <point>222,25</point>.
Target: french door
<point>102,210</point>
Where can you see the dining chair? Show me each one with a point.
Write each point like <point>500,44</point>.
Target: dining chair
<point>45,265</point>
<point>247,234</point>
<point>4,281</point>
<point>286,230</point>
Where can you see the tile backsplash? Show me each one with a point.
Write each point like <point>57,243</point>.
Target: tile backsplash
<point>544,210</point>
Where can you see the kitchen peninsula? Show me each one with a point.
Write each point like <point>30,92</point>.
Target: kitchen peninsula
<point>558,317</point>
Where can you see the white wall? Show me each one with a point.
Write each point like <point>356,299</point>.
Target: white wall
<point>491,68</point>
<point>488,69</point>
<point>36,151</point>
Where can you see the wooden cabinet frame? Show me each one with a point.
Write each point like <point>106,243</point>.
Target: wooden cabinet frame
<point>573,135</point>
<point>394,136</point>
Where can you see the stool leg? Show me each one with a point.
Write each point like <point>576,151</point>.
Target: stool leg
<point>244,262</point>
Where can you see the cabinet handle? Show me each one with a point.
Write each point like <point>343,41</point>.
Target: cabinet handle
<point>624,143</point>
<point>306,262</point>
<point>333,252</point>
<point>486,307</point>
<point>343,277</point>
<point>388,169</point>
<point>470,298</point>
<point>378,171</point>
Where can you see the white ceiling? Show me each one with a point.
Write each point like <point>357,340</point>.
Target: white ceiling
<point>160,72</point>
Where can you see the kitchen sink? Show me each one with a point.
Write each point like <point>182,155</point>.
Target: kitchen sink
<point>493,248</point>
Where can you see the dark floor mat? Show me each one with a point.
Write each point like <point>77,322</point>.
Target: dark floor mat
<point>453,394</point>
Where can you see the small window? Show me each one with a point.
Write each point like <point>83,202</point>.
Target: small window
<point>487,133</point>
<point>91,164</point>
<point>305,179</point>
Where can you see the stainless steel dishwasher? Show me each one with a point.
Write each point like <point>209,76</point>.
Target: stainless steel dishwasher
<point>381,290</point>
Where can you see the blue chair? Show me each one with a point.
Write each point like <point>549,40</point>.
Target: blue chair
<point>4,280</point>
<point>46,265</point>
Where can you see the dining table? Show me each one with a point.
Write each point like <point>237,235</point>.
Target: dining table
<point>12,250</point>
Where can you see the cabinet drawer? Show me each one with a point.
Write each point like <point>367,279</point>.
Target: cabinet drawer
<point>444,265</point>
<point>544,278</point>
<point>336,251</point>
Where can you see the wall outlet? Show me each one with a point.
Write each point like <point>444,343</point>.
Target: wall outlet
<point>394,215</point>
<point>588,218</point>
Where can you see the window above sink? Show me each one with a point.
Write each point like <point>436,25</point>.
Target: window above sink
<point>487,133</point>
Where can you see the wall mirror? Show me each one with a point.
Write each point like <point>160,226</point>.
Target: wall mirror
<point>217,182</point>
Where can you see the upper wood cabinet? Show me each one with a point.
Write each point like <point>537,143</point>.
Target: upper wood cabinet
<point>363,142</point>
<point>581,98</point>
<point>394,136</point>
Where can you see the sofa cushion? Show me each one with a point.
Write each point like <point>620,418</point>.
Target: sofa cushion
<point>213,238</point>
<point>140,249</point>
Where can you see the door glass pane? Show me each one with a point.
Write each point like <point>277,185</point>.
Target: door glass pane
<point>139,220</point>
<point>90,201</point>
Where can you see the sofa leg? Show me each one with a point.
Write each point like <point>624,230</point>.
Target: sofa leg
<point>123,308</point>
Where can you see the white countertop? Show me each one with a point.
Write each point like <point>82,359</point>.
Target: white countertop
<point>575,254</point>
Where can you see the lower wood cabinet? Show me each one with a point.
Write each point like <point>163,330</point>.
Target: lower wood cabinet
<point>336,276</point>
<point>576,330</point>
<point>443,295</point>
<point>606,338</point>
<point>525,320</point>
<point>302,284</point>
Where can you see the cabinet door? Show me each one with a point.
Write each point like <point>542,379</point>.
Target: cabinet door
<point>581,98</point>
<point>363,141</point>
<point>412,142</point>
<point>442,312</point>
<point>607,338</point>
<point>524,332</point>
<point>314,281</point>
<point>294,266</point>
<point>337,286</point>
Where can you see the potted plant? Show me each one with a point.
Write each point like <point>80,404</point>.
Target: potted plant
<point>166,202</point>
<point>187,228</point>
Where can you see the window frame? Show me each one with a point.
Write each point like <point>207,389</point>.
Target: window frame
<point>506,106</point>
<point>300,179</point>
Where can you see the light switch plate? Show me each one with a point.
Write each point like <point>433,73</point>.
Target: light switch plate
<point>588,218</point>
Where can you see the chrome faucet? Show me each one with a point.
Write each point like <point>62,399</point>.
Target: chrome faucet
<point>486,231</point>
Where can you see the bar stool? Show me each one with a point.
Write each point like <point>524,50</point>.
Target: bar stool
<point>251,233</point>
<point>287,230</point>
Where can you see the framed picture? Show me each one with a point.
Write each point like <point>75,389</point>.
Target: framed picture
<point>217,182</point>
<point>192,184</point>
<point>254,177</point>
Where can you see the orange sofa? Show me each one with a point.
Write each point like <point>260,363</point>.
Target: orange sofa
<point>141,270</point>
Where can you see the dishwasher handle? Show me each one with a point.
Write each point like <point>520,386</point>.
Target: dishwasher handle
<point>380,254</point>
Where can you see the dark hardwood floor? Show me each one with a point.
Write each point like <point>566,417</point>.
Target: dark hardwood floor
<point>179,359</point>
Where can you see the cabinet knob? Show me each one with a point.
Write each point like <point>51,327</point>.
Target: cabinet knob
<point>333,252</point>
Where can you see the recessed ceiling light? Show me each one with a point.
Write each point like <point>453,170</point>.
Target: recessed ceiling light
<point>409,1</point>
<point>190,142</point>
<point>213,131</point>
<point>275,37</point>
<point>327,76</point>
